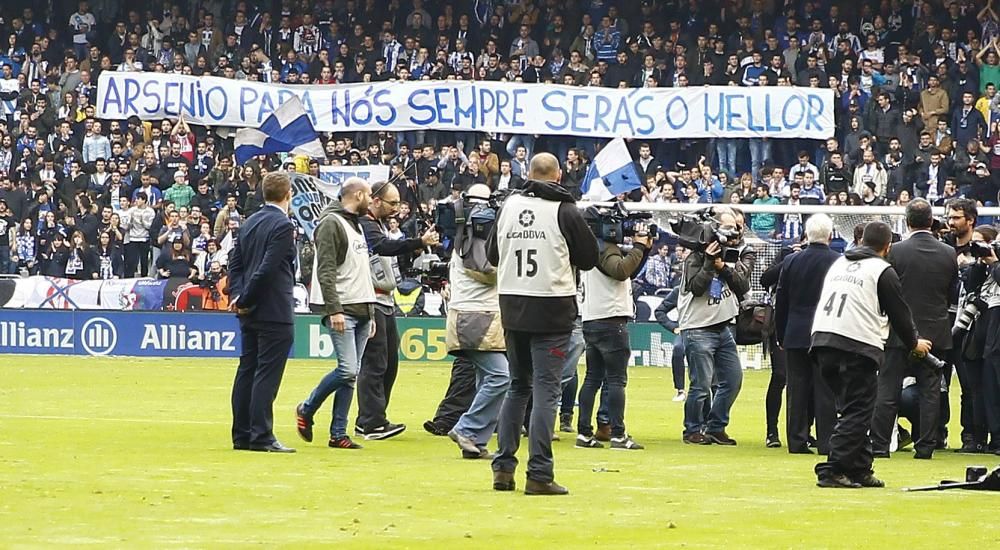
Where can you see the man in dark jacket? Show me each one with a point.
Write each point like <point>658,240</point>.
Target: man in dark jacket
<point>928,273</point>
<point>540,236</point>
<point>799,288</point>
<point>885,121</point>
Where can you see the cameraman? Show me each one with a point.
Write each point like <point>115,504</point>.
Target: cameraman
<point>607,307</point>
<point>474,331</point>
<point>708,304</point>
<point>980,354</point>
<point>380,362</point>
<point>215,288</point>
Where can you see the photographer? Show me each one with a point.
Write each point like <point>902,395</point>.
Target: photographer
<point>961,217</point>
<point>474,331</point>
<point>214,288</point>
<point>380,362</point>
<point>607,308</point>
<point>708,304</point>
<point>979,317</point>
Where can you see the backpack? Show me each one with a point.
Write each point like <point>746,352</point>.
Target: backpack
<point>470,238</point>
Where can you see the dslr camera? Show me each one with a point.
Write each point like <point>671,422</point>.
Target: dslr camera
<point>980,249</point>
<point>698,230</point>
<point>612,224</point>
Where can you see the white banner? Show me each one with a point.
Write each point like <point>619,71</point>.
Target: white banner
<point>311,195</point>
<point>509,107</point>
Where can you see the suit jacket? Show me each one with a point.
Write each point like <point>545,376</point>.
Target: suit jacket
<point>800,285</point>
<point>261,267</point>
<point>928,273</point>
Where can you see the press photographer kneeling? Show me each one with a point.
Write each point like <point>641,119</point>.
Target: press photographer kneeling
<point>607,308</point>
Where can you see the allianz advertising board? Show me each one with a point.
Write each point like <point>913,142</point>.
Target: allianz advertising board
<point>103,333</point>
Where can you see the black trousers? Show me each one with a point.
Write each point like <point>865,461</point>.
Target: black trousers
<point>808,398</point>
<point>852,378</point>
<point>973,412</point>
<point>379,367</point>
<point>458,398</point>
<point>137,259</point>
<point>776,385</point>
<point>263,356</point>
<point>890,387</point>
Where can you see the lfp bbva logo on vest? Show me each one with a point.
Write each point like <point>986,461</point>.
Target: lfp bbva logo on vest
<point>98,336</point>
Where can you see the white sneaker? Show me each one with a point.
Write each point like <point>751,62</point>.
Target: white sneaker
<point>681,396</point>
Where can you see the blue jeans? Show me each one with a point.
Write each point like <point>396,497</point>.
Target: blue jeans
<point>711,353</point>
<point>607,363</point>
<point>528,140</point>
<point>492,381</point>
<point>725,150</point>
<point>677,362</point>
<point>760,153</point>
<point>349,347</point>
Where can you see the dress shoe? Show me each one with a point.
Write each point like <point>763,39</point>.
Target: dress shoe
<point>839,481</point>
<point>503,481</point>
<point>869,480</point>
<point>241,446</point>
<point>533,487</point>
<point>696,438</point>
<point>923,454</point>
<point>880,454</point>
<point>275,447</point>
<point>433,429</point>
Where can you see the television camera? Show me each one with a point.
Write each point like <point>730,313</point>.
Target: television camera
<point>698,230</point>
<point>612,224</point>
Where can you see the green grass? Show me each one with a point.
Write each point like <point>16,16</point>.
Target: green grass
<point>127,453</point>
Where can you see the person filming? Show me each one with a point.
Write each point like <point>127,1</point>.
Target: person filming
<point>607,308</point>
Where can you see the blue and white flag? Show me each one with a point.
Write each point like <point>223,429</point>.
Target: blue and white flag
<point>287,130</point>
<point>612,173</point>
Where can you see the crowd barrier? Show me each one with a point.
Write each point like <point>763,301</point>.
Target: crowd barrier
<point>191,334</point>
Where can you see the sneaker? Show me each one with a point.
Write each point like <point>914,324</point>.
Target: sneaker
<point>555,436</point>
<point>869,480</point>
<point>343,442</point>
<point>696,438</point>
<point>385,432</point>
<point>839,481</point>
<point>566,423</point>
<point>359,431</point>
<point>720,438</point>
<point>482,453</point>
<point>467,445</point>
<point>303,423</point>
<point>772,441</point>
<point>587,442</point>
<point>681,396</point>
<point>625,443</point>
<point>970,447</point>
<point>603,432</point>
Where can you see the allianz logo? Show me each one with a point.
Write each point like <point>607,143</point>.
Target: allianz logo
<point>99,336</point>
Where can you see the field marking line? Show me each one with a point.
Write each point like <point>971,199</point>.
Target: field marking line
<point>95,418</point>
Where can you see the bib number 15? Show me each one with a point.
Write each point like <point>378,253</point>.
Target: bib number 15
<point>527,265</point>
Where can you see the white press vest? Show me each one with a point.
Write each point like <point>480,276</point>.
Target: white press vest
<point>604,297</point>
<point>354,279</point>
<point>849,303</point>
<point>534,256</point>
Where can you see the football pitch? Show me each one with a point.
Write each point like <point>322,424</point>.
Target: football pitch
<point>121,452</point>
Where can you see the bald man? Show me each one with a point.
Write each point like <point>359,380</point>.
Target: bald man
<point>539,238</point>
<point>342,292</point>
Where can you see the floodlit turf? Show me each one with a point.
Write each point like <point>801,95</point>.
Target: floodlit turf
<point>127,452</point>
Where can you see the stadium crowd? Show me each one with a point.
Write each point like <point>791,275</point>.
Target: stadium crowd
<point>915,89</point>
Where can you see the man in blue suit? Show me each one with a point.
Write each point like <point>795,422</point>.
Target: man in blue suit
<point>799,288</point>
<point>261,279</point>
